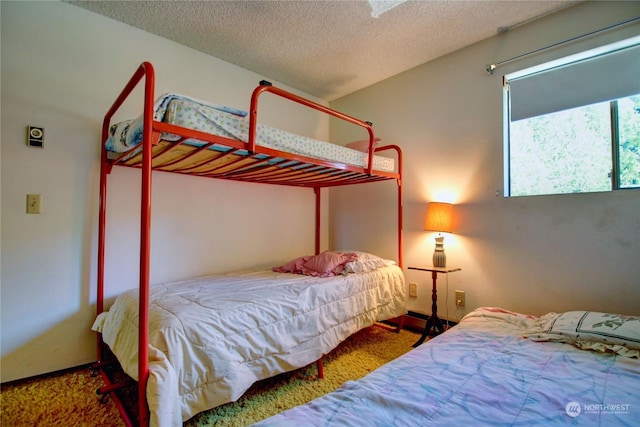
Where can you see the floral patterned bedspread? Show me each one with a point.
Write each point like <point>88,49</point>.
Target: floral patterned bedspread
<point>482,372</point>
<point>231,123</point>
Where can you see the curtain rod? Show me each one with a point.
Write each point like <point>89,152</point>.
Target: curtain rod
<point>490,68</point>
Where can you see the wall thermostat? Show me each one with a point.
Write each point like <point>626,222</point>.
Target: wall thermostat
<point>35,136</point>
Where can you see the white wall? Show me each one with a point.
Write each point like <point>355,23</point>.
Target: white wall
<point>530,254</point>
<point>62,68</point>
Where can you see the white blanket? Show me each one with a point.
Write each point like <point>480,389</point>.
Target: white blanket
<point>211,338</point>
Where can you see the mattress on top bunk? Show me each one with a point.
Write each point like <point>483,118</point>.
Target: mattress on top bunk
<point>482,372</point>
<point>211,338</point>
<point>230,123</point>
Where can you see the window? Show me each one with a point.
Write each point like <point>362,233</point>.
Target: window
<point>573,125</point>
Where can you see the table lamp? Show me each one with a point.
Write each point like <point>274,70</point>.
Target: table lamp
<point>439,218</point>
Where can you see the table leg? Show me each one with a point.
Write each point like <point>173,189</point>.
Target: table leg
<point>433,321</point>
<point>425,333</point>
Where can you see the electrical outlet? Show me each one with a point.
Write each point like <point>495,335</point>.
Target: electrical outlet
<point>34,203</point>
<point>459,298</point>
<point>413,289</point>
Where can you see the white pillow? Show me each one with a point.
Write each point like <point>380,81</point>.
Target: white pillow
<point>366,262</point>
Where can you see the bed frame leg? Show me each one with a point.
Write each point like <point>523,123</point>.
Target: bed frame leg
<point>400,324</point>
<point>320,368</point>
<point>391,328</point>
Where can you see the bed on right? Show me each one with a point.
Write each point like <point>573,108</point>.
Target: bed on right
<point>498,368</point>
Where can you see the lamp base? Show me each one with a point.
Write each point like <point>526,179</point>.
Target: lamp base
<point>439,258</point>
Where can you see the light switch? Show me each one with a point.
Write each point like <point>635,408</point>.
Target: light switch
<point>34,203</point>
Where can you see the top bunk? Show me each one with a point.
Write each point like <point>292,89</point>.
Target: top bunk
<point>183,135</point>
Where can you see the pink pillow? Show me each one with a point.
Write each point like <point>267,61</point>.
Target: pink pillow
<point>363,145</point>
<point>293,266</point>
<point>322,265</point>
<point>328,263</point>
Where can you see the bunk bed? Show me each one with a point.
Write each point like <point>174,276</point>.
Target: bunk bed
<point>232,146</point>
<point>497,368</point>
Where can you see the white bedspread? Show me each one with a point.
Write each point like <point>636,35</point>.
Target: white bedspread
<point>211,338</point>
<point>483,373</point>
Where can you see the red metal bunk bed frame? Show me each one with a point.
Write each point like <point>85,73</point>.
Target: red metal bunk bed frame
<point>314,173</point>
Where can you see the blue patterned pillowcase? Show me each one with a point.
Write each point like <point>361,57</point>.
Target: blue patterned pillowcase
<point>589,330</point>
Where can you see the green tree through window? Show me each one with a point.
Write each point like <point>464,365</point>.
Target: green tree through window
<point>572,151</point>
<point>629,128</point>
<point>573,123</point>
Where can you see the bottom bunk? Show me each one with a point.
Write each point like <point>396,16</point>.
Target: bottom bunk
<point>211,338</point>
<point>485,372</point>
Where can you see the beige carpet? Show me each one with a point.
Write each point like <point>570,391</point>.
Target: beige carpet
<point>67,399</point>
<point>70,399</point>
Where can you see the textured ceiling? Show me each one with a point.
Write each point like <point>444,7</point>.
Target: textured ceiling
<point>325,48</point>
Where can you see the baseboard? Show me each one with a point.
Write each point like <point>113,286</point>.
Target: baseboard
<point>47,374</point>
<point>416,321</point>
